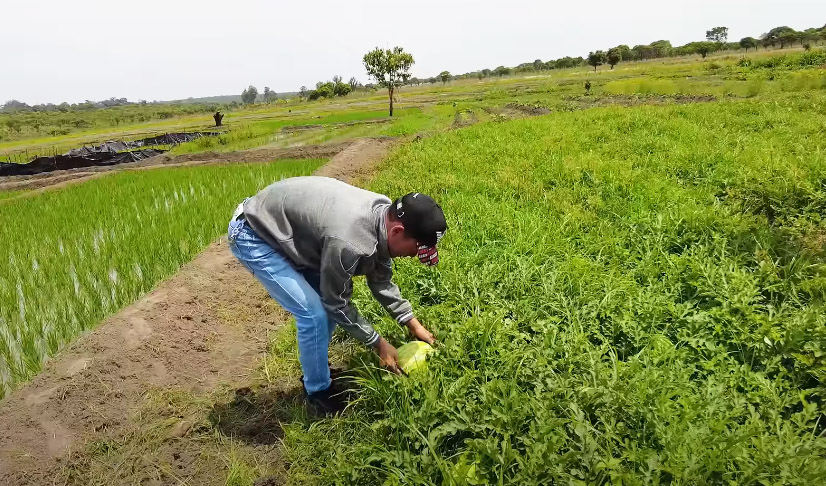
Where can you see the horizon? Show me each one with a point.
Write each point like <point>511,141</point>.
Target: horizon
<point>227,59</point>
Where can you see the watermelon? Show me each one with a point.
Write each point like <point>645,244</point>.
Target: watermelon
<point>413,356</point>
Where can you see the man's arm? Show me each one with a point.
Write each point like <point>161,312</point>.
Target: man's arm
<point>338,264</point>
<point>389,296</point>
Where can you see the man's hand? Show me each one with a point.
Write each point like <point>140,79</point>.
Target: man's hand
<point>388,356</point>
<point>419,331</point>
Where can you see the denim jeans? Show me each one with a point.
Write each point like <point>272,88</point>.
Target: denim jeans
<point>297,292</point>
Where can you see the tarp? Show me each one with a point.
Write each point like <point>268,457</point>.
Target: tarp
<point>116,146</point>
<point>64,162</point>
<point>108,153</point>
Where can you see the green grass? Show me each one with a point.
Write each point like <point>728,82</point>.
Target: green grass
<point>63,269</point>
<point>627,296</point>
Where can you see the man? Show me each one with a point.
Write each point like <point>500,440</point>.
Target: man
<point>305,238</point>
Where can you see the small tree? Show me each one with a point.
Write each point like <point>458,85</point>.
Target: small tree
<point>353,83</point>
<point>613,57</point>
<point>444,76</point>
<point>703,48</point>
<point>269,95</point>
<point>717,34</point>
<point>597,58</point>
<point>538,65</point>
<point>302,92</point>
<point>390,68</point>
<point>248,95</point>
<point>748,43</point>
<point>502,71</point>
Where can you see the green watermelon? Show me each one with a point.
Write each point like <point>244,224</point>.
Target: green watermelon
<point>413,356</point>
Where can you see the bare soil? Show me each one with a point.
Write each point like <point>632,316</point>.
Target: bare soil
<point>204,328</point>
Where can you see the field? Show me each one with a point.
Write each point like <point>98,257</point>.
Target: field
<point>631,289</point>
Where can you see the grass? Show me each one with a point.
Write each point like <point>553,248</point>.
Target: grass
<point>83,265</point>
<point>643,308</point>
<point>627,295</point>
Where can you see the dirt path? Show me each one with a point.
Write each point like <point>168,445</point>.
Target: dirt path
<point>205,327</point>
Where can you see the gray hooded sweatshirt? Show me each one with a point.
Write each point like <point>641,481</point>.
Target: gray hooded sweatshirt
<point>338,230</point>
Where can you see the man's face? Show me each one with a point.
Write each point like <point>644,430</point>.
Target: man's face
<point>400,244</point>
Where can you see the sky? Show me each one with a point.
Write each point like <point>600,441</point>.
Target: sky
<point>54,51</point>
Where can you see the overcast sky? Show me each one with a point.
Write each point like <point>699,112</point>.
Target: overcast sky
<point>57,50</point>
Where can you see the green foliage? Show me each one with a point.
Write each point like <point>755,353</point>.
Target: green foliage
<point>390,68</point>
<point>444,76</point>
<point>62,270</point>
<point>629,316</point>
<point>248,95</point>
<point>748,43</point>
<point>597,58</point>
<point>613,57</point>
<point>717,34</point>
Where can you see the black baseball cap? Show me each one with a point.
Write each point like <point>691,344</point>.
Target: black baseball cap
<point>424,220</point>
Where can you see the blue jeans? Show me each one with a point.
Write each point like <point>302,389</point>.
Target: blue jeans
<point>297,292</point>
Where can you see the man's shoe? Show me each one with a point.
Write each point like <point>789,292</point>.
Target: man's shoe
<point>327,402</point>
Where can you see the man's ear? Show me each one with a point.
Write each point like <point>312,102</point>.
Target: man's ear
<point>395,230</point>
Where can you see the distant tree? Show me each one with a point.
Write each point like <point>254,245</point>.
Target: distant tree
<point>538,65</point>
<point>302,92</point>
<point>748,43</point>
<point>704,48</point>
<point>777,35</point>
<point>14,105</point>
<point>502,71</point>
<point>390,68</point>
<point>444,76</point>
<point>613,57</point>
<point>248,95</point>
<point>662,48</point>
<point>269,95</point>
<point>717,34</point>
<point>341,89</point>
<point>597,58</point>
<point>336,79</point>
<point>626,54</point>
<point>788,38</point>
<point>644,52</point>
<point>486,72</point>
<point>353,83</point>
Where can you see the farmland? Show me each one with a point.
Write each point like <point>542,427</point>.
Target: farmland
<point>630,291</point>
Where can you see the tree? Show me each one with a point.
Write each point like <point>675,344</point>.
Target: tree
<point>703,48</point>
<point>662,48</point>
<point>269,95</point>
<point>778,35</point>
<point>353,83</point>
<point>717,34</point>
<point>302,92</point>
<point>444,76</point>
<point>538,65</point>
<point>502,71</point>
<point>613,57</point>
<point>748,42</point>
<point>341,89</point>
<point>390,68</point>
<point>248,95</point>
<point>597,59</point>
<point>626,54</point>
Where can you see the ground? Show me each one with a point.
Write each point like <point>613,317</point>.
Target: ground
<point>203,330</point>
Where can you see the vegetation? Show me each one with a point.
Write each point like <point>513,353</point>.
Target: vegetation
<point>597,58</point>
<point>248,95</point>
<point>84,265</point>
<point>645,308</point>
<point>390,68</point>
